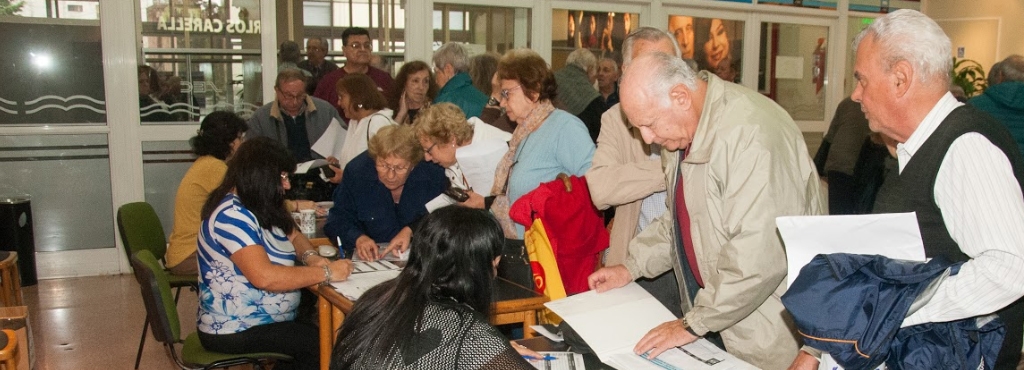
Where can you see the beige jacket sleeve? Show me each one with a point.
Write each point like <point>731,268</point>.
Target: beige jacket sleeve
<point>620,173</point>
<point>651,252</point>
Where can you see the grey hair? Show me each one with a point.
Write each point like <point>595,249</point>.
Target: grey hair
<point>908,35</point>
<point>615,65</point>
<point>649,34</point>
<point>583,58</point>
<point>452,53</point>
<point>323,42</point>
<point>1009,69</point>
<point>663,71</point>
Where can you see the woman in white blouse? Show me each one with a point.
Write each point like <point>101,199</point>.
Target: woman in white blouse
<point>367,111</point>
<point>446,135</point>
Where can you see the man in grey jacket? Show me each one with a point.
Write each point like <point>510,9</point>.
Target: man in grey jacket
<point>294,118</point>
<point>741,162</point>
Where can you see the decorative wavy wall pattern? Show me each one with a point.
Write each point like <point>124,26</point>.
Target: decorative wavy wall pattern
<point>33,106</point>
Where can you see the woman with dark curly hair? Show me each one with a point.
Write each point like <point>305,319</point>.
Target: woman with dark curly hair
<point>218,137</point>
<point>434,314</point>
<point>417,90</point>
<point>546,142</point>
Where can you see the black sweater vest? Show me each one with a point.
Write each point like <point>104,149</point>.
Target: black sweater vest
<point>913,191</point>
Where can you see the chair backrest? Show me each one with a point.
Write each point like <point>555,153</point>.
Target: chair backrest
<point>140,229</point>
<point>161,311</point>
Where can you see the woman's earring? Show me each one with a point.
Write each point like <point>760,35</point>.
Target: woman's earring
<point>360,106</point>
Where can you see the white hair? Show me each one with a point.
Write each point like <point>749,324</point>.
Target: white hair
<point>649,34</point>
<point>615,65</point>
<point>452,53</point>
<point>583,58</point>
<point>662,72</point>
<point>908,35</point>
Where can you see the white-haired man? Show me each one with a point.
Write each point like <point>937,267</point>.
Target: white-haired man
<point>959,170</point>
<point>451,72</point>
<point>626,174</point>
<point>733,162</point>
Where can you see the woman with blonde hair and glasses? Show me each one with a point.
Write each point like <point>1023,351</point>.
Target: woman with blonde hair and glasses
<point>445,135</point>
<point>382,194</point>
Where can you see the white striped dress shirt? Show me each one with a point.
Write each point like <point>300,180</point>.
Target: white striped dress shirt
<point>983,209</point>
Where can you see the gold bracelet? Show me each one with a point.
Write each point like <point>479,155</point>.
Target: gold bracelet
<point>306,254</point>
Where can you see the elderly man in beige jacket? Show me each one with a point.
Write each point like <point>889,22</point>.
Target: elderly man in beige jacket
<point>733,162</point>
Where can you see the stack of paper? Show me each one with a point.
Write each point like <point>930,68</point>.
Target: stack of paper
<point>357,284</point>
<point>614,321</point>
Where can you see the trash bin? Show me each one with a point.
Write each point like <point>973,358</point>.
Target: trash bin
<point>16,235</point>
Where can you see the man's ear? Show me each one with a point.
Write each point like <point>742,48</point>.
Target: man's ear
<point>903,76</point>
<point>681,96</point>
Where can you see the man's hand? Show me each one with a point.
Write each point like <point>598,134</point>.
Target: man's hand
<point>804,361</point>
<point>366,248</point>
<point>608,278</point>
<point>662,338</point>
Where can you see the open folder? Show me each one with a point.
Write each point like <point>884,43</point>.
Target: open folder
<point>614,321</point>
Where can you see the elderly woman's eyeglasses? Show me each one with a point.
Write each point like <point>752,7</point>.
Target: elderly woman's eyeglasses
<point>504,92</point>
<point>387,167</point>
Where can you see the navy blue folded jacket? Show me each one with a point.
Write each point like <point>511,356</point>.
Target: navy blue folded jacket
<point>851,306</point>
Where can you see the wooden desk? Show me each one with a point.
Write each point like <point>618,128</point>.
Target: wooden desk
<point>512,304</point>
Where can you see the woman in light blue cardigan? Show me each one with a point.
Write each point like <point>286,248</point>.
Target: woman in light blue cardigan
<point>547,141</point>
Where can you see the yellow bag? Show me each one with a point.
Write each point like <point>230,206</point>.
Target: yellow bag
<point>546,277</point>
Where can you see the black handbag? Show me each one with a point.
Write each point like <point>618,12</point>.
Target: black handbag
<point>515,263</point>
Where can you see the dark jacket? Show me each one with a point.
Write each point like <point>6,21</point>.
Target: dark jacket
<point>362,205</point>
<point>1005,102</point>
<point>852,306</point>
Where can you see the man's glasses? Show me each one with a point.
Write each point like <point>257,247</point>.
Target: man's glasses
<point>504,92</point>
<point>365,45</point>
<point>397,170</point>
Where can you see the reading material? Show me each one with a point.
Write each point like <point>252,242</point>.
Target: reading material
<point>614,321</point>
<point>357,284</point>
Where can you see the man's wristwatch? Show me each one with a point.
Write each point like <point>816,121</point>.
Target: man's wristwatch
<point>686,326</point>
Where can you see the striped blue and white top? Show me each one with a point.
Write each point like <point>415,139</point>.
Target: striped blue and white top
<point>228,302</point>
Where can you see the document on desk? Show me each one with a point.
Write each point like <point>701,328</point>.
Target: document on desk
<point>614,321</point>
<point>357,284</point>
<point>359,267</point>
<point>393,257</point>
<point>894,235</point>
<point>559,361</point>
<point>331,141</point>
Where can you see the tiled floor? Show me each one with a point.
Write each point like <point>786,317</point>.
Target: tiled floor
<point>95,323</point>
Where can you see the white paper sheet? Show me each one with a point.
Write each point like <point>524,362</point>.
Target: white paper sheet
<point>894,235</point>
<point>478,161</point>
<point>559,361</point>
<point>357,284</point>
<point>330,143</point>
<point>304,167</point>
<point>614,321</point>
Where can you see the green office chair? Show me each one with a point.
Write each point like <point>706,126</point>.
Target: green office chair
<point>162,315</point>
<point>140,230</point>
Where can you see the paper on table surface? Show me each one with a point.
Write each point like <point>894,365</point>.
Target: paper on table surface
<point>402,256</point>
<point>330,143</point>
<point>559,361</point>
<point>894,235</point>
<point>478,161</point>
<point>357,284</point>
<point>614,321</point>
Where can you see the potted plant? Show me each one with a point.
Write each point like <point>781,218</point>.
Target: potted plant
<point>969,75</point>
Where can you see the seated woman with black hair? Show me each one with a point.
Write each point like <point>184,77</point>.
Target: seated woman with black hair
<point>385,195</point>
<point>248,282</point>
<point>434,314</point>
